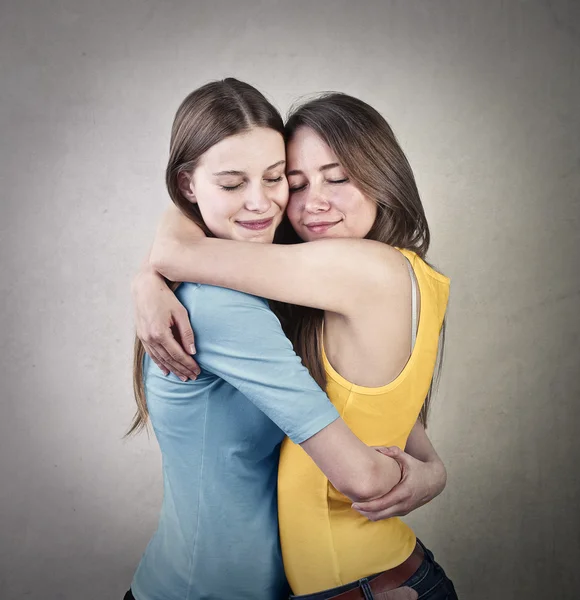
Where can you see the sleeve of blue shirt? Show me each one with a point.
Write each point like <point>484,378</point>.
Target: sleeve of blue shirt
<point>239,339</point>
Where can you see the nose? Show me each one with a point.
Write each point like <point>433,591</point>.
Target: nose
<point>257,200</point>
<point>316,201</point>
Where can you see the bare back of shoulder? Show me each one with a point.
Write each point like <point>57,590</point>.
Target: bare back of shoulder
<point>371,346</point>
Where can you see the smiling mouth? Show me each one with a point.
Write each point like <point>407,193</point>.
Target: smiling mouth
<point>321,226</point>
<point>257,225</point>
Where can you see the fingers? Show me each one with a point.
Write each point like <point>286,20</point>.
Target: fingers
<point>388,513</point>
<point>185,331</point>
<point>180,358</point>
<point>184,373</point>
<point>393,504</point>
<point>169,354</point>
<point>392,451</point>
<point>160,358</point>
<point>155,358</point>
<point>396,497</point>
<point>404,460</point>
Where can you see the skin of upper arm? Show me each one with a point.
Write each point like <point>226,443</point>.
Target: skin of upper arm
<point>339,275</point>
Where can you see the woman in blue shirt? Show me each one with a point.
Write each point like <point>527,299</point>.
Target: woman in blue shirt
<point>220,434</point>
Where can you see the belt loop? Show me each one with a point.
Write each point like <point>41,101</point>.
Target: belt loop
<point>426,551</point>
<point>366,588</point>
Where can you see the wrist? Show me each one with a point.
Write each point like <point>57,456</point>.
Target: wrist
<point>145,275</point>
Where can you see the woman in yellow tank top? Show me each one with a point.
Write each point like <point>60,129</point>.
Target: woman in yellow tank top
<point>365,313</point>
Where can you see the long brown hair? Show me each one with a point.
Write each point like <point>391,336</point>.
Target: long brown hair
<point>369,152</point>
<point>207,116</point>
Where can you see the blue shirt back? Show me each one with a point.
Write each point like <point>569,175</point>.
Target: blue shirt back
<point>220,436</point>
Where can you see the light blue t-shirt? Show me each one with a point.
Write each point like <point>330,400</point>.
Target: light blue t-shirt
<point>220,436</point>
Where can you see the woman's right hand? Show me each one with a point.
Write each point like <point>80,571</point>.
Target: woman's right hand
<point>420,483</point>
<point>159,319</point>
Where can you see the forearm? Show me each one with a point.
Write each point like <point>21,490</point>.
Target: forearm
<point>419,446</point>
<point>323,274</point>
<point>175,226</point>
<point>146,275</point>
<point>175,253</point>
<point>175,237</point>
<point>353,468</point>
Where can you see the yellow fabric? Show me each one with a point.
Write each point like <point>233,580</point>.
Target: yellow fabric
<point>325,543</point>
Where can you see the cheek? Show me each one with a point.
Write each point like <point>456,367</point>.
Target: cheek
<point>371,214</point>
<point>217,209</point>
<point>361,213</point>
<point>293,211</point>
<point>365,220</point>
<point>280,195</point>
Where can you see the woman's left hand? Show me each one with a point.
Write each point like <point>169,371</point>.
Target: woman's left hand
<point>159,319</point>
<point>420,483</point>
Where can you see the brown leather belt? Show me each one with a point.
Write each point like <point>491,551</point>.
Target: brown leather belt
<point>388,580</point>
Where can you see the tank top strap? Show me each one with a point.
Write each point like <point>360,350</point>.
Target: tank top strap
<point>414,303</point>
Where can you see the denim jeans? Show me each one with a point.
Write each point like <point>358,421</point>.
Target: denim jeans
<point>429,581</point>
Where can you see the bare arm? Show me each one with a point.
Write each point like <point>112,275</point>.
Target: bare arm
<point>419,446</point>
<point>240,340</point>
<point>340,275</point>
<point>423,478</point>
<point>351,466</point>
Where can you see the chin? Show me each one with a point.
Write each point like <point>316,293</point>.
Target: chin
<point>263,238</point>
<point>308,236</point>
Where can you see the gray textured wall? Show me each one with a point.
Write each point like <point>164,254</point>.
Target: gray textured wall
<point>484,97</point>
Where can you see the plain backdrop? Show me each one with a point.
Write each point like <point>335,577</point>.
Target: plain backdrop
<point>484,97</point>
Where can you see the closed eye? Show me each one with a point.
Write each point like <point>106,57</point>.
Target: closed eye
<point>231,188</point>
<point>337,180</point>
<point>275,180</point>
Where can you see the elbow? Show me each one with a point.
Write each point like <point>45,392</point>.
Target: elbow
<point>362,489</point>
<point>357,492</point>
<point>373,481</point>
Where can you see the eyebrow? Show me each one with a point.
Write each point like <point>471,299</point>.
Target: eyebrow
<point>322,168</point>
<point>229,173</point>
<point>280,162</point>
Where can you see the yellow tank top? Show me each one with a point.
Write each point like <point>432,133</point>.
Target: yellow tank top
<point>325,543</point>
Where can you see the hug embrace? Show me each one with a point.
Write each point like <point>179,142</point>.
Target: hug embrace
<point>293,442</point>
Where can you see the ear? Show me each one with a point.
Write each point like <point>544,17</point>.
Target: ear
<point>185,184</point>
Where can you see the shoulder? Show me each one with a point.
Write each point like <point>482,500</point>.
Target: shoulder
<point>366,273</point>
<point>421,266</point>
<point>384,267</point>
<point>370,258</point>
<point>434,286</point>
